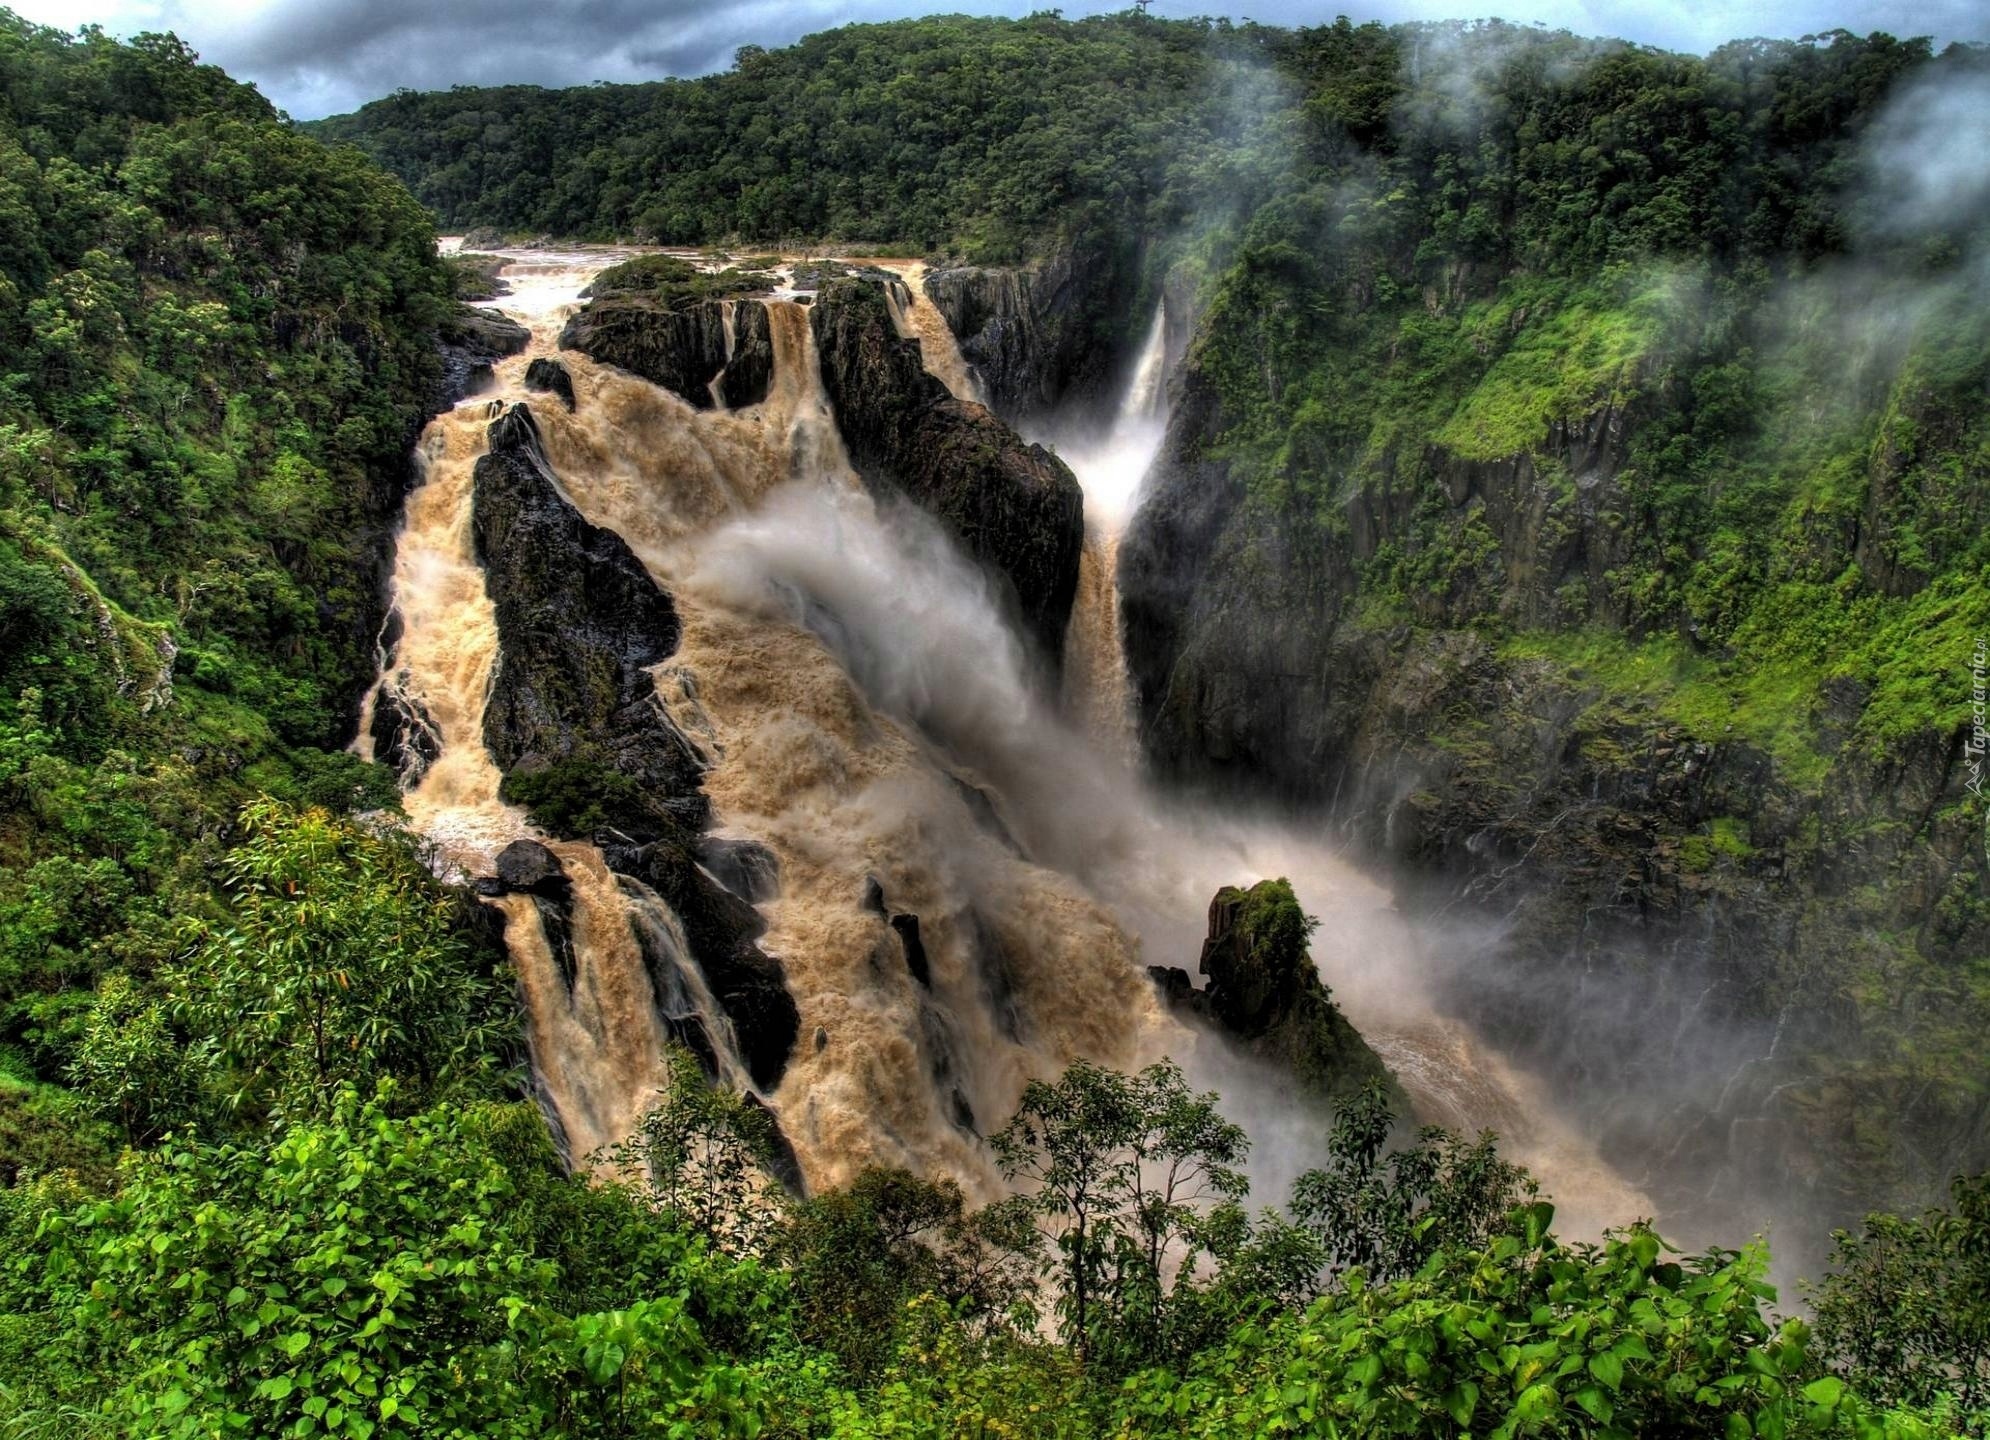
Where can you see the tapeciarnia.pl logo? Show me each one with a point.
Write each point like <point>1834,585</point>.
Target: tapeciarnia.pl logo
<point>1979,729</point>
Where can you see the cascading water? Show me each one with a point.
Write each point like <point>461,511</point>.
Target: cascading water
<point>1097,689</point>
<point>871,720</point>
<point>918,318</point>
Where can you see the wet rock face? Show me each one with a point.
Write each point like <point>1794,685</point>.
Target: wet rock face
<point>404,734</point>
<point>681,348</point>
<point>722,932</point>
<point>471,340</point>
<point>1255,957</point>
<point>579,623</point>
<point>530,868</point>
<point>1265,993</point>
<point>745,867</point>
<point>1045,336</point>
<point>1011,505</point>
<point>751,370</point>
<point>550,377</point>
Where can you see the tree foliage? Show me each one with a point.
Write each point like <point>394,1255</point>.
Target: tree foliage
<point>1905,1308</point>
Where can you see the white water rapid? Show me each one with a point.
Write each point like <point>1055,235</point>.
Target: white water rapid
<point>868,716</point>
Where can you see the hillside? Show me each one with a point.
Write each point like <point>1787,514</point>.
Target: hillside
<point>1578,469</point>
<point>641,904</point>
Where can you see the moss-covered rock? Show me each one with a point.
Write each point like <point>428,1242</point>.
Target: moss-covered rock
<point>1265,993</point>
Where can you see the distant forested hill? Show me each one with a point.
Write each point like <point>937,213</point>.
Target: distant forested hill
<point>981,134</point>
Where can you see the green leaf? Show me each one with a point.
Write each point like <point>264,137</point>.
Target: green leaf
<point>1592,1399</point>
<point>1461,1401</point>
<point>1826,1391</point>
<point>1608,1369</point>
<point>1536,1402</point>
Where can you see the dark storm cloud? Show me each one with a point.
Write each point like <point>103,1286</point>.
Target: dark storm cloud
<point>318,57</point>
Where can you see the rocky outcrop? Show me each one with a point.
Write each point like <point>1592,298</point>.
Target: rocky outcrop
<point>470,341</point>
<point>1047,336</point>
<point>683,348</point>
<point>581,621</point>
<point>550,377</point>
<point>1265,993</point>
<point>1011,505</point>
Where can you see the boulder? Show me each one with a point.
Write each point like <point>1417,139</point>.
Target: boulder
<point>527,867</point>
<point>549,375</point>
<point>1013,506</point>
<point>907,927</point>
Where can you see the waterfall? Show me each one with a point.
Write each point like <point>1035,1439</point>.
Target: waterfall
<point>918,318</point>
<point>871,720</point>
<point>1097,689</point>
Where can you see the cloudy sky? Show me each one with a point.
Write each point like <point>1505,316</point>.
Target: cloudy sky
<point>320,57</point>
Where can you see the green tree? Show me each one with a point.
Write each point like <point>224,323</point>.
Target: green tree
<point>1124,1172</point>
<point>341,960</point>
<point>706,1152</point>
<point>856,1256</point>
<point>1386,1211</point>
<point>1904,1313</point>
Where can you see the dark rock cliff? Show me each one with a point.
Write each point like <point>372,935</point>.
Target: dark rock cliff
<point>1011,505</point>
<point>581,623</point>
<point>575,723</point>
<point>1046,335</point>
<point>682,348</point>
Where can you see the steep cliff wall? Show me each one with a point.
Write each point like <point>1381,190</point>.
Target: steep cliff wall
<point>1639,677</point>
<point>1048,336</point>
<point>1013,506</point>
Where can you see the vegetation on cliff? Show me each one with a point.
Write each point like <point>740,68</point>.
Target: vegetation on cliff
<point>1604,432</point>
<point>217,341</point>
<point>259,1172</point>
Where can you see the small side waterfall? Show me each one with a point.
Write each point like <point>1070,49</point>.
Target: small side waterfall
<point>1097,689</point>
<point>918,318</point>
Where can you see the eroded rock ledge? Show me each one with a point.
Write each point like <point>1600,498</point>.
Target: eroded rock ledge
<point>682,348</point>
<point>1013,506</point>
